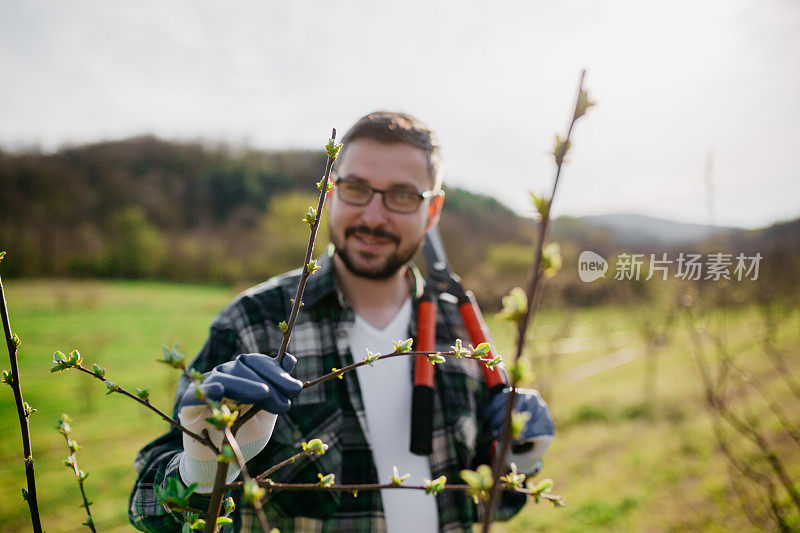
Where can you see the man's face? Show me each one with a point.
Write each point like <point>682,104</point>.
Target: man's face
<point>370,240</point>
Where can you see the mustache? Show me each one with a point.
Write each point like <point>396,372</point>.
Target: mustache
<point>373,232</point>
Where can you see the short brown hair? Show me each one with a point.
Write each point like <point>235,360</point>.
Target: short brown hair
<point>396,127</point>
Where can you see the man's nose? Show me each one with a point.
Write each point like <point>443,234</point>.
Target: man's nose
<point>374,213</point>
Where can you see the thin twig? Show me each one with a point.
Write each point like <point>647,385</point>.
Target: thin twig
<point>12,343</point>
<point>271,470</point>
<point>536,275</point>
<point>72,460</point>
<point>298,298</point>
<point>304,275</point>
<point>237,452</point>
<point>341,371</point>
<point>274,485</point>
<point>199,438</point>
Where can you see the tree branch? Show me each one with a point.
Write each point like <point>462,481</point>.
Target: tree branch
<point>23,410</point>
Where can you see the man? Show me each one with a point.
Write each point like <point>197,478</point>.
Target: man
<point>387,195</point>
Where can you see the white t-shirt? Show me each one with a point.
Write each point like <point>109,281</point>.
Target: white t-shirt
<point>386,392</point>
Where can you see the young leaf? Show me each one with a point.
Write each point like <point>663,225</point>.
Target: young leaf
<point>560,151</point>
<point>315,446</point>
<point>396,478</point>
<point>143,394</point>
<point>436,358</point>
<point>332,149</point>
<point>435,486</point>
<point>403,346</point>
<point>326,480</point>
<point>583,104</point>
<point>515,305</point>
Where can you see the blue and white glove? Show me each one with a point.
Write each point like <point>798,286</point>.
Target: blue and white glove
<point>536,435</point>
<point>252,380</point>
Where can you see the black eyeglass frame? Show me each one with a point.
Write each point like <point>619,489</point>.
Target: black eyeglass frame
<point>424,195</point>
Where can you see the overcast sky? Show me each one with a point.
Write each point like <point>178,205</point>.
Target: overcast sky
<point>677,84</point>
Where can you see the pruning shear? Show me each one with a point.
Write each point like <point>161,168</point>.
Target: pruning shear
<point>441,280</point>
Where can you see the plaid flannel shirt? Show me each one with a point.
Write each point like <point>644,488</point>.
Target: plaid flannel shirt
<point>332,411</point>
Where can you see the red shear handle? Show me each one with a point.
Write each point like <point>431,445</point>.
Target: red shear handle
<point>422,399</point>
<point>472,318</point>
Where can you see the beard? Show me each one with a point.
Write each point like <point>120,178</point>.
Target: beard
<point>390,265</point>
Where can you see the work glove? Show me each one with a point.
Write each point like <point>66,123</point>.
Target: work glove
<point>529,447</point>
<point>254,381</point>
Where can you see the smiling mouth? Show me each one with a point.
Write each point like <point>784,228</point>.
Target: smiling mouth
<point>371,237</point>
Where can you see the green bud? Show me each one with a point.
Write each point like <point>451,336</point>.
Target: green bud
<point>75,359</point>
<point>59,362</point>
<point>252,492</point>
<point>25,494</point>
<point>223,521</point>
<point>482,349</point>
<point>371,357</point>
<point>560,150</point>
<point>98,370</point>
<point>228,505</point>
<point>28,409</point>
<point>551,259</point>
<point>311,216</point>
<point>544,486</point>
<point>172,357</point>
<point>435,486</point>
<point>403,346</point>
<point>112,387</point>
<point>195,375</point>
<point>542,205</point>
<point>312,266</point>
<point>7,378</point>
<point>321,182</point>
<point>435,358</point>
<point>396,478</point>
<point>332,149</point>
<point>315,446</point>
<point>73,445</point>
<point>327,480</point>
<point>518,423</point>
<point>88,522</point>
<point>515,305</point>
<point>63,424</point>
<point>283,326</point>
<point>491,363</point>
<point>226,455</point>
<point>2,255</point>
<point>15,340</point>
<point>340,376</point>
<point>480,482</point>
<point>143,394</point>
<point>513,479</point>
<point>583,104</point>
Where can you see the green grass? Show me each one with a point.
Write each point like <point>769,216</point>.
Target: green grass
<point>622,462</point>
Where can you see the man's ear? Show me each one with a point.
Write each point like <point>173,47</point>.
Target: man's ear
<point>435,209</point>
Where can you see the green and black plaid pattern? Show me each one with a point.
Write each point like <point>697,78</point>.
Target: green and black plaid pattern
<point>332,411</point>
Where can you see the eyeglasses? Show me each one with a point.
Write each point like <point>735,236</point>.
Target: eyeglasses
<point>397,201</point>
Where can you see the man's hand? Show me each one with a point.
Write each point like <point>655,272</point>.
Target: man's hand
<point>253,380</point>
<point>529,447</point>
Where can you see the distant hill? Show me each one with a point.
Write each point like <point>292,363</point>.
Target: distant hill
<point>640,230</point>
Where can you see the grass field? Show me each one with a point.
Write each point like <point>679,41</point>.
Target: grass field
<point>627,456</point>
